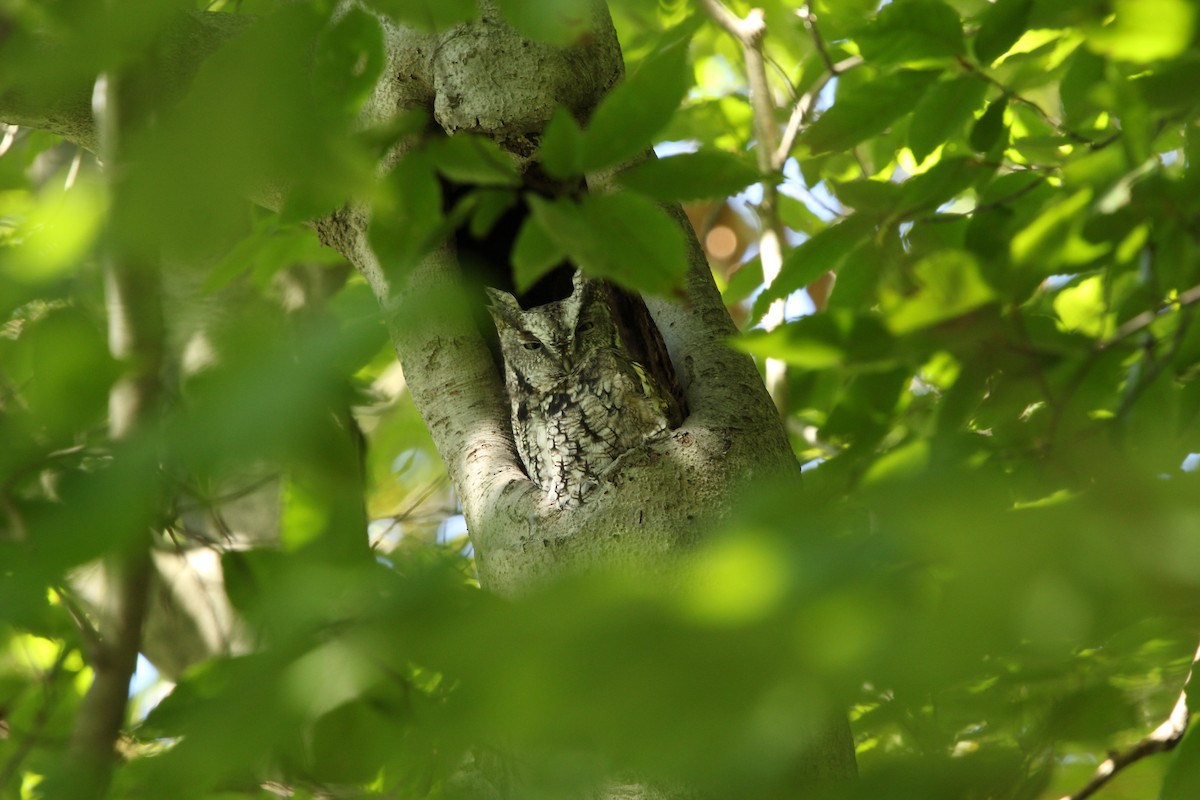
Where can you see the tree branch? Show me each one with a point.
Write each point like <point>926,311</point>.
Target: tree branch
<point>1162,739</point>
<point>750,32</point>
<point>136,337</point>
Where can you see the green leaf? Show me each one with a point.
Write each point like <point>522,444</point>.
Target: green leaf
<point>814,257</point>
<point>1084,308</point>
<point>1001,26</point>
<point>562,145</point>
<point>1182,780</point>
<point>305,516</point>
<point>1174,86</point>
<point>349,59</point>
<point>943,181</point>
<point>408,214</point>
<point>705,174</point>
<point>1083,88</point>
<point>903,463</point>
<point>948,285</point>
<point>622,237</point>
<point>1142,31</point>
<point>799,217</point>
<point>837,337</point>
<point>270,248</point>
<point>490,205</point>
<point>473,160</point>
<point>1043,239</point>
<point>534,254</point>
<point>988,129</point>
<point>627,119</point>
<point>866,110</point>
<point>843,16</point>
<point>875,196</point>
<point>812,343</point>
<point>427,15</point>
<point>912,33</point>
<point>557,22</point>
<point>942,112</point>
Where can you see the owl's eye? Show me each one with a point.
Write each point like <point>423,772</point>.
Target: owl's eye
<point>584,327</point>
<point>532,345</point>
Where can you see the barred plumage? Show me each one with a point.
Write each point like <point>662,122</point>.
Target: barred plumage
<point>579,398</point>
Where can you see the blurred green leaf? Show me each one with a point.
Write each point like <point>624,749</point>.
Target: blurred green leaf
<point>1000,27</point>
<point>1143,31</point>
<point>473,160</point>
<point>621,237</point>
<point>705,174</point>
<point>989,128</point>
<point>349,59</point>
<point>427,15</point>
<point>557,22</point>
<point>408,214</point>
<point>947,285</point>
<point>1183,775</point>
<point>1042,242</point>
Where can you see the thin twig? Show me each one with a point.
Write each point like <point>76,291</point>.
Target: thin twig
<point>803,108</point>
<point>135,334</point>
<point>749,32</point>
<point>1147,318</point>
<point>806,15</point>
<point>1025,101</point>
<point>91,637</point>
<point>997,203</point>
<point>1162,739</point>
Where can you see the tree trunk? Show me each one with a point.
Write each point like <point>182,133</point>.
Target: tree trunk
<point>656,501</point>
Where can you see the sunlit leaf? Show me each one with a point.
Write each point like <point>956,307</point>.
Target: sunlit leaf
<point>948,285</point>
<point>866,110</point>
<point>913,33</point>
<point>626,120</point>
<point>942,112</point>
<point>1001,25</point>
<point>1084,308</point>
<point>1146,30</point>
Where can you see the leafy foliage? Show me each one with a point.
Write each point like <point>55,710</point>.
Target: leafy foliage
<point>996,558</point>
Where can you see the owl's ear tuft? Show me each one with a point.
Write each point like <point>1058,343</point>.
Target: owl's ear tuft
<point>504,307</point>
<point>578,280</point>
<point>502,298</point>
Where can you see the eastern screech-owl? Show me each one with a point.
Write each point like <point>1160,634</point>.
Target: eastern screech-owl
<point>580,389</point>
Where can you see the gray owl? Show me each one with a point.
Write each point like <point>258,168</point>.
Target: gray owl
<point>580,391</point>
